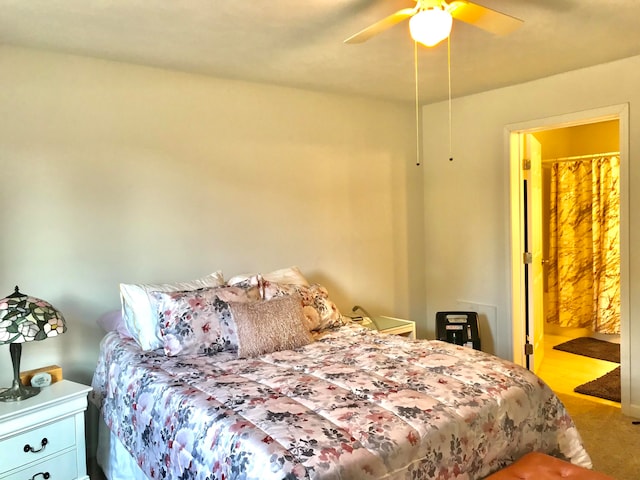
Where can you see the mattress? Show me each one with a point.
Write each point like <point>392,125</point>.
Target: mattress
<point>354,404</point>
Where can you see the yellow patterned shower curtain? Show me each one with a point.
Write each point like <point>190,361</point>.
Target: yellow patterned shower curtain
<point>584,245</point>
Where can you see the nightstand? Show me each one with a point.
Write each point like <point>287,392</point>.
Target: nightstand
<point>395,326</point>
<point>43,436</point>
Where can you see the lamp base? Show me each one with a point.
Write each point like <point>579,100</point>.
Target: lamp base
<point>18,392</point>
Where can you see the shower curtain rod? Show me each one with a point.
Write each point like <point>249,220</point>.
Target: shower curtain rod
<point>579,157</point>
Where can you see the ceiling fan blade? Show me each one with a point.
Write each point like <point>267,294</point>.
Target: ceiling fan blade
<point>381,25</point>
<point>482,17</point>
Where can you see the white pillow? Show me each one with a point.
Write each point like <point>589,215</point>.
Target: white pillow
<point>139,310</point>
<point>288,275</point>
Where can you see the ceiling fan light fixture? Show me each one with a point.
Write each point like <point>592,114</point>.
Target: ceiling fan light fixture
<point>430,26</point>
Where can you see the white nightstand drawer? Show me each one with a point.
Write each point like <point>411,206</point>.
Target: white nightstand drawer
<point>58,436</point>
<point>62,467</point>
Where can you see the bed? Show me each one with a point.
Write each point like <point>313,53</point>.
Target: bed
<point>350,403</point>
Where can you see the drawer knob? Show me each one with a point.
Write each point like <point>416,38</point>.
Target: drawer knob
<point>28,448</point>
<point>45,475</point>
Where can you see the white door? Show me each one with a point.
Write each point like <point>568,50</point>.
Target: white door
<point>534,280</point>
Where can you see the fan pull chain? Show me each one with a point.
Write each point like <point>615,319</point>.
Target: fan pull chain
<point>449,72</point>
<point>415,71</point>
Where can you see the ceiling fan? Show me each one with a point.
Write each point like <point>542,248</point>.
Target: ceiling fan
<point>430,21</point>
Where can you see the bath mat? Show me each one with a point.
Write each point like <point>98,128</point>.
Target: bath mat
<point>607,386</point>
<point>592,347</point>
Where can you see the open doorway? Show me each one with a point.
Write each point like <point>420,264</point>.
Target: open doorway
<point>567,138</point>
<point>581,258</point>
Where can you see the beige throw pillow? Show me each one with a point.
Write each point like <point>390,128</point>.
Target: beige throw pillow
<point>269,326</point>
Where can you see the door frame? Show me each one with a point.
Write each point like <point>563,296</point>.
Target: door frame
<point>512,143</point>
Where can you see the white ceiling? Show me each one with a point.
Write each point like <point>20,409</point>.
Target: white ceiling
<point>300,43</point>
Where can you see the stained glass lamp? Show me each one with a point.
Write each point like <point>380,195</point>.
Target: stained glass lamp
<point>25,319</point>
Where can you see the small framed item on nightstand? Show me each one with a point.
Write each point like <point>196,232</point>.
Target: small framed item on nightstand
<point>54,372</point>
<point>44,436</point>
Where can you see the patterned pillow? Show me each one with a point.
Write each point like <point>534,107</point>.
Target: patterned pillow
<point>269,326</point>
<point>139,307</point>
<point>199,321</point>
<point>319,311</point>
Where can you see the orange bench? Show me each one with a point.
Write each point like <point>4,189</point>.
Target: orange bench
<point>538,466</point>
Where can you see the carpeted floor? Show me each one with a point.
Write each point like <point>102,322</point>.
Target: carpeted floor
<point>609,437</point>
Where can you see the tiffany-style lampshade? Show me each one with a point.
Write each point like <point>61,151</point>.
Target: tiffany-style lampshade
<point>25,319</point>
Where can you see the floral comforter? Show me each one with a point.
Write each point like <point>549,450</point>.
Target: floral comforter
<point>355,404</point>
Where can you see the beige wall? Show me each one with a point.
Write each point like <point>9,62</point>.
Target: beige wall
<point>119,173</point>
<point>467,200</point>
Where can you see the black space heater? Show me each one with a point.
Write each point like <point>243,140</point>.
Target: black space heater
<point>460,328</point>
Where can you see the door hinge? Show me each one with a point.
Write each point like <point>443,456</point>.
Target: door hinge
<point>527,258</point>
<point>526,164</point>
<point>528,349</point>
